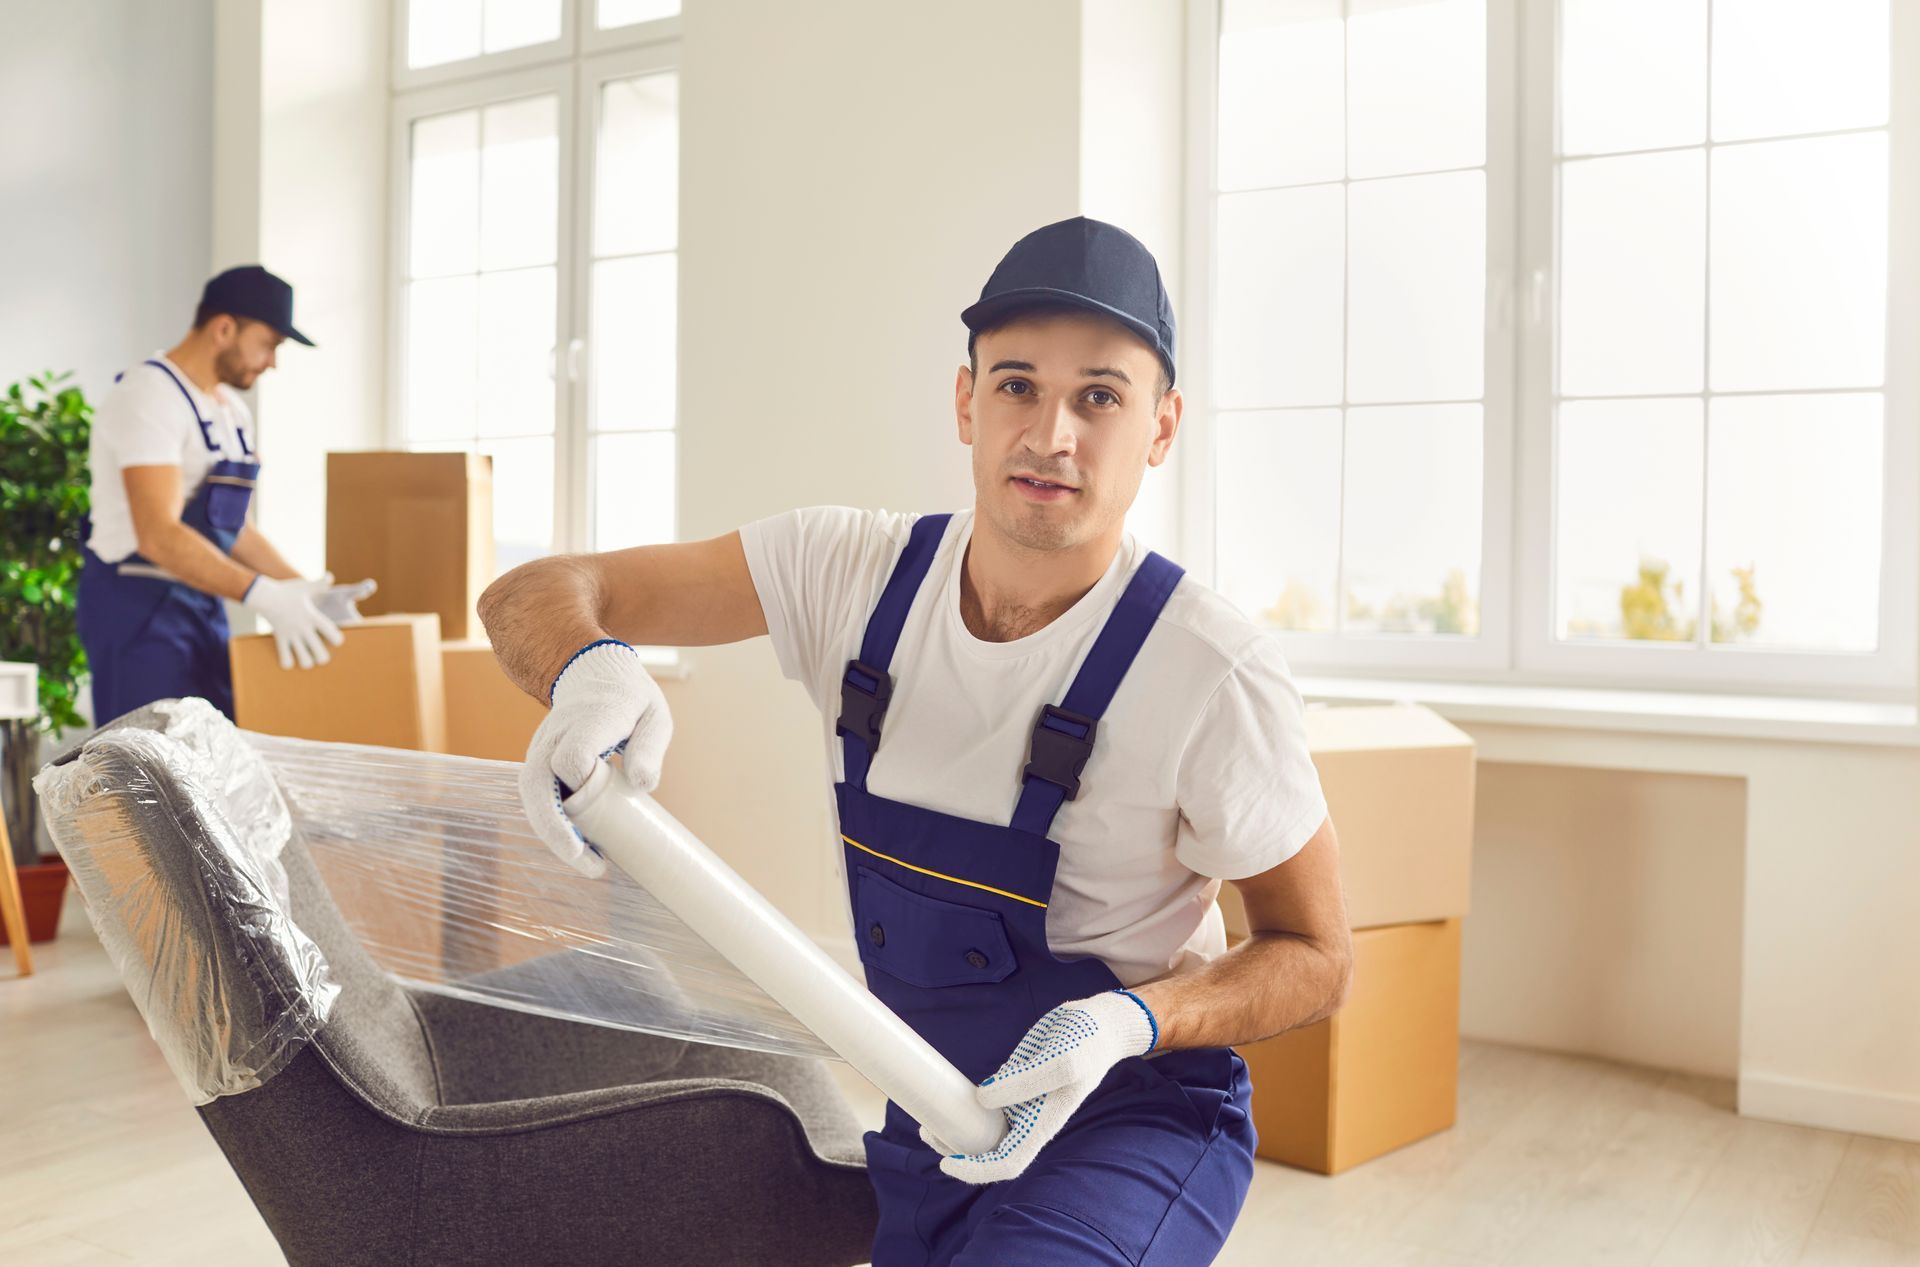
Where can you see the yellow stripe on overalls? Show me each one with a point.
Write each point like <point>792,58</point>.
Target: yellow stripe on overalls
<point>954,879</point>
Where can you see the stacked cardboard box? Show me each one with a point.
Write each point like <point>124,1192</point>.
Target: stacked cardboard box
<point>393,683</point>
<point>487,715</point>
<point>383,685</point>
<point>1382,1072</point>
<point>421,524</point>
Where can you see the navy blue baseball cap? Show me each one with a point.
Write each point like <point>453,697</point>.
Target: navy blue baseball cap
<point>251,291</point>
<point>1089,264</point>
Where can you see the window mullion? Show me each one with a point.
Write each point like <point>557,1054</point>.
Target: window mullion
<point>574,490</point>
<point>1534,469</point>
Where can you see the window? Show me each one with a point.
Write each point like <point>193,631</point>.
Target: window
<point>1547,338</point>
<point>536,211</point>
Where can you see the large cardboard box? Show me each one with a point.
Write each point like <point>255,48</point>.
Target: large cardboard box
<point>421,524</point>
<point>383,686</point>
<point>1381,1072</point>
<point>487,715</point>
<point>1399,785</point>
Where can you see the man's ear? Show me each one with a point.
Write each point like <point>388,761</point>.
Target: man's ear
<point>963,403</point>
<point>1166,424</point>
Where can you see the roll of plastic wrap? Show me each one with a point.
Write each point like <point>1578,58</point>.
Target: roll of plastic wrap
<point>634,833</point>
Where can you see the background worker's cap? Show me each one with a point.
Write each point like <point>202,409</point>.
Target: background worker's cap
<point>251,291</point>
<point>1089,264</point>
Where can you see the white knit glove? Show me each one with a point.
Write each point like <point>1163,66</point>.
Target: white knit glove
<point>604,701</point>
<point>1050,1074</point>
<point>301,631</point>
<point>337,604</point>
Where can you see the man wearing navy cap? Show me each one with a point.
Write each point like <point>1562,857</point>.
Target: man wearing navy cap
<point>1049,747</point>
<point>174,466</point>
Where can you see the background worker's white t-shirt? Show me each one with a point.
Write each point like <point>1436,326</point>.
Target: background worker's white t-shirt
<point>1200,769</point>
<point>144,421</point>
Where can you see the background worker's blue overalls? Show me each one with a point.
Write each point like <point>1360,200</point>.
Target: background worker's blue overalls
<point>950,918</point>
<point>151,637</point>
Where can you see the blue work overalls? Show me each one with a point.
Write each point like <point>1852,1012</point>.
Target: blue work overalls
<point>151,637</point>
<point>950,917</point>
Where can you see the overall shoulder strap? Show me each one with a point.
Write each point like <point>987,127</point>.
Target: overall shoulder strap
<point>867,686</point>
<point>1063,736</point>
<point>206,424</point>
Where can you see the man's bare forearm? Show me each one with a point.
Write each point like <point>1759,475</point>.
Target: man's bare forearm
<point>1270,983</point>
<point>196,561</point>
<point>252,549</point>
<point>539,614</point>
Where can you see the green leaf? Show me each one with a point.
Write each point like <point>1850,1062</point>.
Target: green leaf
<point>44,485</point>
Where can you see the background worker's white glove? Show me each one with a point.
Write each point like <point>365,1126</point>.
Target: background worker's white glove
<point>604,701</point>
<point>301,631</point>
<point>1050,1074</point>
<point>337,604</point>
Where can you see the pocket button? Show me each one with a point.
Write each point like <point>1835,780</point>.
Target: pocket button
<point>877,935</point>
<point>976,959</point>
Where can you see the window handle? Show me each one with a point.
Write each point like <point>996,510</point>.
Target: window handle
<point>576,353</point>
<point>1537,297</point>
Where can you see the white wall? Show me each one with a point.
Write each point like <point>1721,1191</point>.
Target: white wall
<point>105,191</point>
<point>1829,892</point>
<point>1607,908</point>
<point>301,180</point>
<point>850,174</point>
<point>1132,160</point>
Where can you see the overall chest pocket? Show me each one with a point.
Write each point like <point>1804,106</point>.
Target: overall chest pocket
<point>227,504</point>
<point>926,941</point>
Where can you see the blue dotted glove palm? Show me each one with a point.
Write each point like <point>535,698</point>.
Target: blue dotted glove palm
<point>1049,1075</point>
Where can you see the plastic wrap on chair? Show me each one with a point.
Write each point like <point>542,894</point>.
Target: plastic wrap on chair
<point>191,911</point>
<point>434,867</point>
<point>238,778</point>
<point>174,824</point>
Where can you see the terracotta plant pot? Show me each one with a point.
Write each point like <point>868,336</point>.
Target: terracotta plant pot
<point>43,886</point>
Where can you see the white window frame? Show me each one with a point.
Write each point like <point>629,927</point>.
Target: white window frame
<point>594,40</point>
<point>409,108</point>
<point>404,77</point>
<point>1516,645</point>
<point>1886,674</point>
<point>575,78</point>
<point>577,490</point>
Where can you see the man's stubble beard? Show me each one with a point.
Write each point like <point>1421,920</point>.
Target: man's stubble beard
<point>229,371</point>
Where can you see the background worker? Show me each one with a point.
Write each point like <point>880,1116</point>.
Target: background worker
<point>174,467</point>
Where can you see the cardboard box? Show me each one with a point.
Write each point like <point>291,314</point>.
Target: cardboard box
<point>421,524</point>
<point>1380,1073</point>
<point>1399,785</point>
<point>382,686</point>
<point>487,715</point>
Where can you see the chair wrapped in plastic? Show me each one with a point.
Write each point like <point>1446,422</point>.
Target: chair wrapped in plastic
<point>418,1038</point>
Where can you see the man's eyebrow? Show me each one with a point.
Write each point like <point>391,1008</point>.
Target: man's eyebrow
<point>1028,368</point>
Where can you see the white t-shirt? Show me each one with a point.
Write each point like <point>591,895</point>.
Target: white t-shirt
<point>144,421</point>
<point>1200,769</point>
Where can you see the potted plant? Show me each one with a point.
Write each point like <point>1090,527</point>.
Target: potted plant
<point>44,496</point>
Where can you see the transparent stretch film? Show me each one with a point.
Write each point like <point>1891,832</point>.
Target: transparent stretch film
<point>175,824</point>
<point>433,865</point>
<point>191,912</point>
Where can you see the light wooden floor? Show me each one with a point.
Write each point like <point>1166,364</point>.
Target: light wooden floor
<point>1556,1160</point>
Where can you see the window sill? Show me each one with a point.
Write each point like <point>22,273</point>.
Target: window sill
<point>1647,712</point>
<point>665,664</point>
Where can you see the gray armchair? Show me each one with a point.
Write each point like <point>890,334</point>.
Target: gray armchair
<point>420,1128</point>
